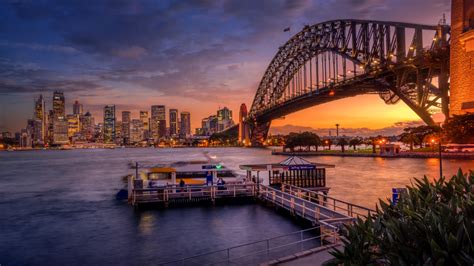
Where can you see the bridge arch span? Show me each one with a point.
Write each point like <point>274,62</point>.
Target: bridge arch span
<point>344,58</point>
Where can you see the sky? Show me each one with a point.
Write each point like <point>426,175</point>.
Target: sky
<point>195,56</point>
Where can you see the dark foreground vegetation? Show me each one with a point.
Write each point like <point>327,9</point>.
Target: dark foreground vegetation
<point>432,224</point>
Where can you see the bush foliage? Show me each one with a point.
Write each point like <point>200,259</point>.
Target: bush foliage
<point>432,224</point>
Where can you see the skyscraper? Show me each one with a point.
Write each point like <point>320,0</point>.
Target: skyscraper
<point>87,126</point>
<point>59,106</point>
<point>126,117</point>
<point>146,123</point>
<point>185,128</point>
<point>109,124</point>
<point>158,122</point>
<point>40,114</point>
<point>60,123</point>
<point>173,122</point>
<point>77,108</point>
<point>118,133</point>
<point>136,131</point>
<point>224,117</point>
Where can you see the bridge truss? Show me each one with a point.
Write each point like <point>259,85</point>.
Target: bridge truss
<point>344,58</point>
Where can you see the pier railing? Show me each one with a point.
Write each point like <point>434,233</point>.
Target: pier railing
<point>265,250</point>
<point>190,192</point>
<point>337,205</point>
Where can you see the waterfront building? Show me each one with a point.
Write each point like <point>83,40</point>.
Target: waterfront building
<point>77,108</point>
<point>60,131</point>
<point>158,122</point>
<point>136,131</point>
<point>50,127</point>
<point>244,131</point>
<point>185,128</point>
<point>126,118</point>
<point>34,128</point>
<point>99,132</point>
<point>59,104</point>
<point>144,117</point>
<point>74,128</point>
<point>87,126</point>
<point>462,57</point>
<point>40,114</point>
<point>118,133</point>
<point>25,139</point>
<point>173,122</point>
<point>224,119</point>
<point>109,124</point>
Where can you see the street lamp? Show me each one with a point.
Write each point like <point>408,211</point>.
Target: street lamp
<point>439,118</point>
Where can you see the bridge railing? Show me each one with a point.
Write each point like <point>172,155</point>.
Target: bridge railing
<point>337,205</point>
<point>265,250</point>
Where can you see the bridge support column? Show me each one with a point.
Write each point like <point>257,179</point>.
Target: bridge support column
<point>259,132</point>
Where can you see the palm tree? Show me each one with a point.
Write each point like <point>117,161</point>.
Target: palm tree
<point>342,142</point>
<point>408,138</point>
<point>355,142</point>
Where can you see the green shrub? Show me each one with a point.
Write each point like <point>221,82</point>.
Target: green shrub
<point>432,224</point>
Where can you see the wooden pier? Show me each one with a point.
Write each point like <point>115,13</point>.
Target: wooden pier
<point>192,194</point>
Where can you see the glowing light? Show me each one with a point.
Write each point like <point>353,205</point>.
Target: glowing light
<point>332,93</point>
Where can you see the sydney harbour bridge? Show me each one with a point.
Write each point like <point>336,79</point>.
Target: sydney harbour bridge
<point>344,58</point>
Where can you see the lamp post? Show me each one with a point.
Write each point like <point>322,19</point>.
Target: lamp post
<point>439,118</point>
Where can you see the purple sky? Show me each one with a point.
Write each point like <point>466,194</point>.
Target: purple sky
<point>190,55</point>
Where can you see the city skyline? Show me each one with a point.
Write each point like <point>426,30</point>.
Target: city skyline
<point>220,68</point>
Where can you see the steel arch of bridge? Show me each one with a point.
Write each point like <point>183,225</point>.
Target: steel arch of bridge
<point>346,58</point>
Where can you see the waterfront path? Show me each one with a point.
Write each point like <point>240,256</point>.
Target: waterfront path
<point>421,155</point>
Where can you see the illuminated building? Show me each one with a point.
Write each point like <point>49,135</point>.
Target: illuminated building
<point>40,114</point>
<point>60,131</point>
<point>224,119</point>
<point>173,122</point>
<point>73,125</point>
<point>126,118</point>
<point>136,131</point>
<point>77,108</point>
<point>243,126</point>
<point>185,128</point>
<point>462,57</point>
<point>144,117</point>
<point>118,133</point>
<point>109,124</point>
<point>59,104</point>
<point>158,122</point>
<point>87,126</point>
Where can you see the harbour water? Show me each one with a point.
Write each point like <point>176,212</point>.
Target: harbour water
<point>59,207</point>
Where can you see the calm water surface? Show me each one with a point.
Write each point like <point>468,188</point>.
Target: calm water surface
<point>58,207</point>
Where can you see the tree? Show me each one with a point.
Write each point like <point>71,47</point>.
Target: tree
<point>342,142</point>
<point>460,128</point>
<point>354,142</point>
<point>305,139</point>
<point>408,137</point>
<point>372,142</point>
<point>430,225</point>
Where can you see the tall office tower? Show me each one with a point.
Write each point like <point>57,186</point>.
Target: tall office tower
<point>205,126</point>
<point>109,124</point>
<point>77,108</point>
<point>50,128</point>
<point>40,114</point>
<point>60,123</point>
<point>145,118</point>
<point>244,131</point>
<point>224,117</point>
<point>59,105</point>
<point>87,126</point>
<point>73,125</point>
<point>126,118</point>
<point>136,131</point>
<point>34,129</point>
<point>185,128</point>
<point>99,132</point>
<point>173,122</point>
<point>158,122</point>
<point>461,99</point>
<point>118,133</point>
<point>60,131</point>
